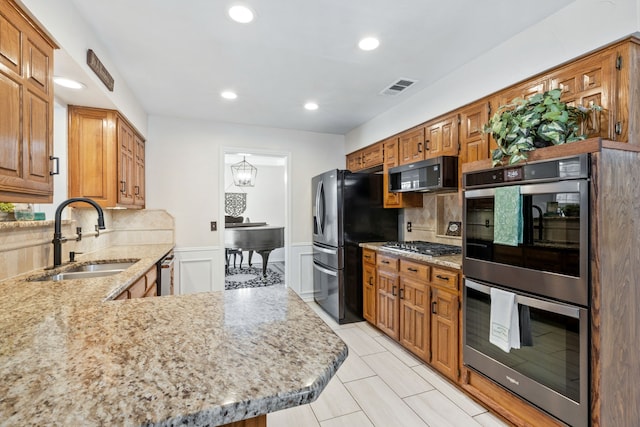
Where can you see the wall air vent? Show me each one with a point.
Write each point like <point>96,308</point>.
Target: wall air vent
<point>397,87</point>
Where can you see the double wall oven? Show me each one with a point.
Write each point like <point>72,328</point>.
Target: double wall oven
<point>547,270</point>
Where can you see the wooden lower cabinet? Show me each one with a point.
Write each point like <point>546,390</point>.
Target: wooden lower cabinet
<point>414,317</point>
<point>145,286</point>
<point>444,332</point>
<point>388,310</point>
<point>369,285</point>
<point>418,304</point>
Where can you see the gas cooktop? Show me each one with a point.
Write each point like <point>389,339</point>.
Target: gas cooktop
<point>424,248</point>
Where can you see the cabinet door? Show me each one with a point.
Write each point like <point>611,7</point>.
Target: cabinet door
<point>396,200</point>
<point>354,161</point>
<point>372,156</point>
<point>411,146</point>
<point>92,155</point>
<point>369,292</point>
<point>387,303</point>
<point>441,138</point>
<point>126,163</point>
<point>591,81</point>
<point>139,177</point>
<point>26,109</point>
<point>444,332</point>
<point>414,316</point>
<point>474,143</point>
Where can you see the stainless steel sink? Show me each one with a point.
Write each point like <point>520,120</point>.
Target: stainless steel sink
<point>102,266</point>
<point>87,271</point>
<point>79,275</point>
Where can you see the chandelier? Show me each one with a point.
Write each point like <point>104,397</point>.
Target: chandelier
<point>244,174</point>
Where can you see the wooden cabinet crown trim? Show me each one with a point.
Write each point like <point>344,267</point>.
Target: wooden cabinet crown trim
<point>617,43</point>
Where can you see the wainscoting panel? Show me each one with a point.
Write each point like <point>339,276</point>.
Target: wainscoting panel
<point>300,277</point>
<point>196,270</point>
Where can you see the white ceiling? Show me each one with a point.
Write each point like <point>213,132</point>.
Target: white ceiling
<point>177,56</point>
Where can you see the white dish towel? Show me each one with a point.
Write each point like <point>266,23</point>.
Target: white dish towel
<point>505,329</point>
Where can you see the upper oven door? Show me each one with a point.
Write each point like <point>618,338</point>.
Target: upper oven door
<point>553,258</point>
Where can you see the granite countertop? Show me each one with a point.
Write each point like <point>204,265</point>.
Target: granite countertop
<point>450,261</point>
<point>69,355</point>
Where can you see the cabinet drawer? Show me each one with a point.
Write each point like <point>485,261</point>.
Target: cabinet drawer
<point>444,278</point>
<point>386,262</point>
<point>369,256</point>
<point>414,270</point>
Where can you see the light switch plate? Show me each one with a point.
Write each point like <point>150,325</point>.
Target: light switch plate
<point>214,225</point>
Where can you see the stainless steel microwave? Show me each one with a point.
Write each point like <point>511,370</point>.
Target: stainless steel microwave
<point>437,174</point>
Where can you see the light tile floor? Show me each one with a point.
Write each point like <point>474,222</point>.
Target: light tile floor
<point>381,384</point>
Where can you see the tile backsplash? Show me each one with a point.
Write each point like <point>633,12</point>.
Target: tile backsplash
<point>26,245</point>
<point>430,222</point>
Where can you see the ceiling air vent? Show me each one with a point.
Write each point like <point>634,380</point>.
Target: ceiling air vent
<point>397,87</point>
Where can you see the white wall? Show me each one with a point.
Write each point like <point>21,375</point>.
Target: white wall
<point>581,27</point>
<point>265,200</point>
<point>183,160</point>
<point>69,29</point>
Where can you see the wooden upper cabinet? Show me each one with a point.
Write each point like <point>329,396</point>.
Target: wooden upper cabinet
<point>366,158</point>
<point>139,173</point>
<point>354,161</point>
<point>106,158</point>
<point>474,143</point>
<point>396,200</point>
<point>26,106</point>
<point>441,137</point>
<point>411,146</point>
<point>587,82</point>
<point>373,155</point>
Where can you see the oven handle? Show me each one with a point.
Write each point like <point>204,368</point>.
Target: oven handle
<point>541,304</point>
<point>573,186</point>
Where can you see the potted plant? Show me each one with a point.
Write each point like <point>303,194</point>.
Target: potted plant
<point>6,211</point>
<point>526,124</point>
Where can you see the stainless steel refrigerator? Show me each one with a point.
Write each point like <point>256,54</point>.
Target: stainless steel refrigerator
<point>347,210</point>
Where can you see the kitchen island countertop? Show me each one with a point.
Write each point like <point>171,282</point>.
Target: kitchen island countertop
<point>69,355</point>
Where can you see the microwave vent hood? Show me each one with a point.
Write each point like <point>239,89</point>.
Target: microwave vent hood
<point>437,174</point>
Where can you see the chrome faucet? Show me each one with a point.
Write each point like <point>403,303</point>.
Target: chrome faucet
<point>58,240</point>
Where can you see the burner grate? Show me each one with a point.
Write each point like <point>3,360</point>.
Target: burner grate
<point>424,248</point>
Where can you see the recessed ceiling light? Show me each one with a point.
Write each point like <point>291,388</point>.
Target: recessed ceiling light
<point>241,14</point>
<point>227,94</point>
<point>68,83</point>
<point>369,43</point>
<point>311,106</point>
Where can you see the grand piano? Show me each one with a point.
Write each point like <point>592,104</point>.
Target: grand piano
<point>254,236</point>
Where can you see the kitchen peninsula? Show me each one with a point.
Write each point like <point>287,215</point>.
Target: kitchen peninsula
<point>70,355</point>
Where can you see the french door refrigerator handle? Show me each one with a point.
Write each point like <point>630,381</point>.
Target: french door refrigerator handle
<point>320,198</point>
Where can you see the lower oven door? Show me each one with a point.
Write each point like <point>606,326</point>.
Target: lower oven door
<point>550,369</point>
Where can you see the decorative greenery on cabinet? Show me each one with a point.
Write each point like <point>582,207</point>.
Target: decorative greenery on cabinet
<point>523,125</point>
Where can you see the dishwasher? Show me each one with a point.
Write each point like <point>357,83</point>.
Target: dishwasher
<point>165,275</point>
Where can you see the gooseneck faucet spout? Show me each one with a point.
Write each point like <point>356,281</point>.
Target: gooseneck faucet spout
<point>57,231</point>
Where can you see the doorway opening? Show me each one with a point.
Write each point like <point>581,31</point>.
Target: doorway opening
<point>255,212</point>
